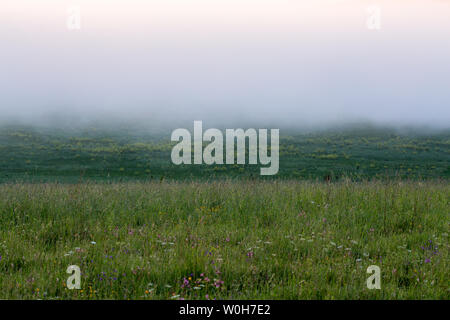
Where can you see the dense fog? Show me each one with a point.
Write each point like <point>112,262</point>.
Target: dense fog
<point>279,63</point>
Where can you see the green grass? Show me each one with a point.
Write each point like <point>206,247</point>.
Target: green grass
<point>32,154</point>
<point>250,239</point>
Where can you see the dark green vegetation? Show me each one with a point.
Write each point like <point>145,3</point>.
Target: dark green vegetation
<point>42,155</point>
<point>225,240</point>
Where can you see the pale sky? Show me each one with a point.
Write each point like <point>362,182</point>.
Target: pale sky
<point>288,61</point>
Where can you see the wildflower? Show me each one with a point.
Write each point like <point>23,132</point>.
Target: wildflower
<point>185,283</point>
<point>427,260</point>
<point>218,283</point>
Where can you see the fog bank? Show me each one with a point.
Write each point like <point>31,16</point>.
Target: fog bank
<point>284,63</point>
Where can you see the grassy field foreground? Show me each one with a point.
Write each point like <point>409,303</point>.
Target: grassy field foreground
<point>225,240</point>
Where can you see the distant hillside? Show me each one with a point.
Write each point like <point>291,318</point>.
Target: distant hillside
<point>110,154</point>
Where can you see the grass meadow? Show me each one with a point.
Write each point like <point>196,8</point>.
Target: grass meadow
<point>225,239</point>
